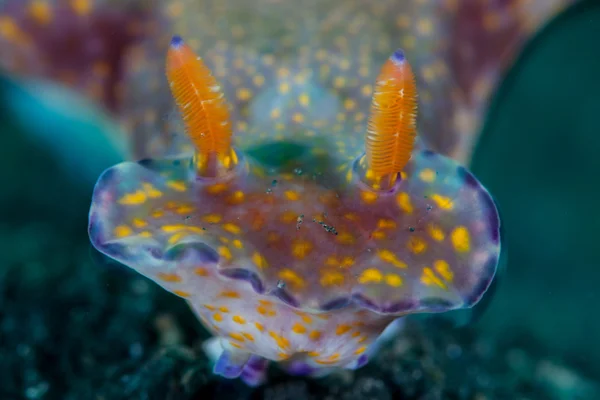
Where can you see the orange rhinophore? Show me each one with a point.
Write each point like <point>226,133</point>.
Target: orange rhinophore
<point>391,131</point>
<point>203,107</point>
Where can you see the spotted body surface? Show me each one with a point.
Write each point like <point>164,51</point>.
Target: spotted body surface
<point>292,70</point>
<point>306,262</point>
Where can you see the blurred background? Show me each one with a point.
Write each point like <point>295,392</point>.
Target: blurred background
<point>507,87</point>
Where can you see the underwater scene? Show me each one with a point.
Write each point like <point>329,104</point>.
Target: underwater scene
<point>275,199</point>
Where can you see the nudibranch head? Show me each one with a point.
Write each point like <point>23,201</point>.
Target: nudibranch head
<point>311,261</point>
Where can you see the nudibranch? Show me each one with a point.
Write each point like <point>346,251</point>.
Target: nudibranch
<point>305,264</point>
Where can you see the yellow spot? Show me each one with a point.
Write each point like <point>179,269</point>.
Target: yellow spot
<point>258,80</point>
<point>349,104</point>
<point>236,197</point>
<point>232,228</point>
<point>40,11</point>
<point>122,231</point>
<point>259,326</point>
<point>248,336</point>
<point>184,209</point>
<point>366,90</point>
<point>403,201</point>
<point>139,223</point>
<point>238,319</point>
<point>291,277</point>
<point>314,335</point>
<point>391,258</point>
<point>292,195</point>
<point>236,345</point>
<point>345,238</point>
<point>461,239</point>
<point>209,307</point>
<point>280,340</point>
<point>201,271</point>
<point>313,354</point>
<point>81,7</point>
<point>386,224</point>
<point>284,88</point>
<point>217,188</point>
<point>430,278</point>
<point>443,268</point>
<point>266,303</point>
<point>370,275</point>
<point>331,360</point>
<point>224,309</point>
<point>378,235</point>
<point>169,277</point>
<point>181,293</point>
<point>393,280</point>
<point>360,350</point>
<point>145,234</point>
<point>178,186</point>
<point>351,217</point>
<point>259,260</point>
<point>230,293</point>
<point>212,218</point>
<point>237,336</point>
<point>416,245</point>
<point>237,244</point>
<point>151,191</point>
<point>368,197</point>
<point>218,317</point>
<point>136,198</point>
<point>342,329</point>
<point>298,328</point>
<point>331,278</point>
<point>435,232</point>
<point>301,248</point>
<point>244,94</point>
<point>181,227</point>
<point>304,99</point>
<point>427,175</point>
<point>275,113</point>
<point>157,214</point>
<point>288,217</point>
<point>298,118</point>
<point>445,203</point>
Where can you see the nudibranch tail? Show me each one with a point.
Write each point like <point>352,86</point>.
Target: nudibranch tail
<point>391,129</point>
<point>203,106</point>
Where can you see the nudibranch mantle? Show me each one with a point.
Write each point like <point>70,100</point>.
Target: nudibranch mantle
<point>308,263</point>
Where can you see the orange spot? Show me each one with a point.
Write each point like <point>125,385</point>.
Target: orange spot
<point>232,228</point>
<point>201,271</point>
<point>259,326</point>
<point>292,278</point>
<point>40,11</point>
<point>314,335</point>
<point>292,195</point>
<point>237,336</point>
<point>301,248</point>
<point>81,7</point>
<point>217,188</point>
<point>169,277</point>
<point>238,319</point>
<point>417,245</point>
<point>181,293</point>
<point>230,293</point>
<point>298,328</point>
<point>218,317</point>
<point>342,329</point>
